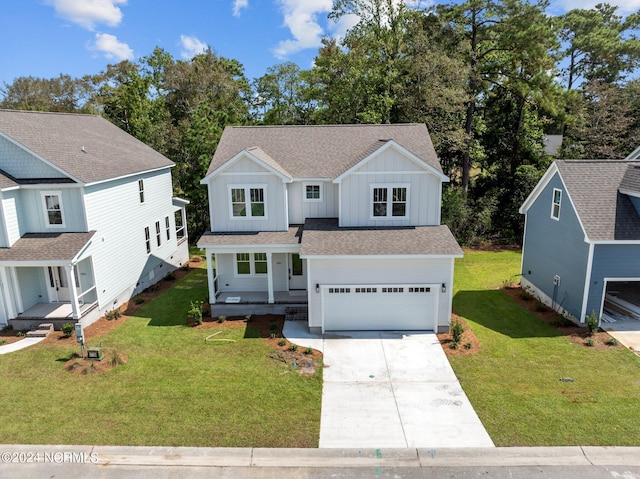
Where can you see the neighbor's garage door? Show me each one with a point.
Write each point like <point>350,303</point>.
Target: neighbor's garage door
<point>379,307</point>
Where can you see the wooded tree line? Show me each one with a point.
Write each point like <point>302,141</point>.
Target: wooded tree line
<point>489,78</point>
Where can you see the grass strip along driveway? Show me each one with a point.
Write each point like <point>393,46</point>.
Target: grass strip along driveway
<point>513,381</point>
<point>175,389</point>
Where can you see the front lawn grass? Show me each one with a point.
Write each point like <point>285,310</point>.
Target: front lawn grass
<point>513,381</point>
<point>175,389</point>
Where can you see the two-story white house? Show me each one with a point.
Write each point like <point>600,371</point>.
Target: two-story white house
<point>343,221</point>
<point>87,218</point>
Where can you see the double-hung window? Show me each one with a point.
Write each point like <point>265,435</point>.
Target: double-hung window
<point>251,264</point>
<point>167,227</point>
<point>555,205</point>
<point>53,212</point>
<point>147,239</point>
<point>158,235</point>
<point>141,190</point>
<point>389,201</point>
<point>248,202</point>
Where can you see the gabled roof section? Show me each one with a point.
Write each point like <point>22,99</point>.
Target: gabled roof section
<point>324,151</point>
<point>257,155</point>
<point>630,184</point>
<point>593,190</point>
<point>87,148</point>
<point>377,148</point>
<point>39,248</point>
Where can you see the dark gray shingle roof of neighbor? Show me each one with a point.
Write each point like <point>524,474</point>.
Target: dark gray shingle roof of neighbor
<point>46,247</point>
<point>324,151</point>
<point>631,179</point>
<point>59,138</point>
<point>593,185</point>
<point>291,236</point>
<point>6,181</point>
<point>323,237</point>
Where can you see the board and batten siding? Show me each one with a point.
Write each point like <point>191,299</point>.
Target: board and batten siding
<point>611,261</point>
<point>229,281</point>
<point>389,168</point>
<point>23,165</point>
<point>249,173</point>
<point>300,210</point>
<point>555,247</point>
<point>375,271</point>
<point>118,249</point>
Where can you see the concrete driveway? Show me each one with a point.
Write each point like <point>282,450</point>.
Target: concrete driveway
<point>390,390</point>
<point>627,331</point>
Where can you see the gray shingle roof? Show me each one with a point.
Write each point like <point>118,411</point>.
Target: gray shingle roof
<point>593,185</point>
<point>109,152</point>
<point>291,236</point>
<point>323,237</point>
<point>322,151</point>
<point>45,247</point>
<point>6,181</point>
<point>631,179</point>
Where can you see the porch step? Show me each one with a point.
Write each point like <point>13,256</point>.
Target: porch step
<point>296,313</point>
<point>42,331</point>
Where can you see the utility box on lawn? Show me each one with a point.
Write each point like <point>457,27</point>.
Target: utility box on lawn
<point>95,354</point>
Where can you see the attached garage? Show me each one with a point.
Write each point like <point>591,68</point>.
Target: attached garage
<point>405,307</point>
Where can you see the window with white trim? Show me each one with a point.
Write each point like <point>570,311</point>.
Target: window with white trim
<point>147,239</point>
<point>312,191</point>
<point>251,264</point>
<point>555,205</point>
<point>141,190</point>
<point>247,202</point>
<point>389,201</point>
<point>167,227</point>
<point>53,211</point>
<point>158,235</point>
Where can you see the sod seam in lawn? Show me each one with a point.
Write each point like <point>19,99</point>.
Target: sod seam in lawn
<point>514,382</point>
<point>175,390</point>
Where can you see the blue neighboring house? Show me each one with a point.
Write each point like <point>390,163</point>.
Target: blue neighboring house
<point>87,218</point>
<point>582,235</point>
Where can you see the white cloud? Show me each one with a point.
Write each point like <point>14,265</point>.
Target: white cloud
<point>625,7</point>
<point>238,6</point>
<point>300,17</point>
<point>89,13</point>
<point>111,47</point>
<point>191,47</point>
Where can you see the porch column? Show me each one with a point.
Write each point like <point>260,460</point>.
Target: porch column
<point>270,276</point>
<point>18,293</point>
<point>71,281</point>
<point>212,292</point>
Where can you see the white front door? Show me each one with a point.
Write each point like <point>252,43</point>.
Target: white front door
<point>58,284</point>
<point>297,272</point>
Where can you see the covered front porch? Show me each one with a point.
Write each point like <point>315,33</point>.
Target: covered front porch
<point>47,278</point>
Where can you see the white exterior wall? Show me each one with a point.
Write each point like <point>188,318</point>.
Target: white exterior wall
<point>380,271</point>
<point>121,264</point>
<point>33,210</point>
<point>22,165</point>
<point>247,172</point>
<point>11,214</point>
<point>300,210</point>
<point>390,168</point>
<point>229,281</point>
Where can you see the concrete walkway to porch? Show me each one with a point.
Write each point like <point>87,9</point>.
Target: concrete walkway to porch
<point>18,345</point>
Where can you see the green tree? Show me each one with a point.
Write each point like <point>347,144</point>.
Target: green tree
<point>60,94</point>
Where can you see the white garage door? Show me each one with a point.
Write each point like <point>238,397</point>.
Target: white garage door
<point>380,307</point>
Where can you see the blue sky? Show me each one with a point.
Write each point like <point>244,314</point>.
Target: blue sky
<point>44,38</point>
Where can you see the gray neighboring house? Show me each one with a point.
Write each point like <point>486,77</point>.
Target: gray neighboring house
<point>582,235</point>
<point>339,225</point>
<point>87,218</point>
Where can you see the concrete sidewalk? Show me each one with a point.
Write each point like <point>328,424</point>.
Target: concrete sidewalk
<point>18,345</point>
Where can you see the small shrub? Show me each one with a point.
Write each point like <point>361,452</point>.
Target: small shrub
<point>116,359</point>
<point>562,322</point>
<point>525,295</point>
<point>6,328</point>
<point>89,369</point>
<point>113,314</point>
<point>248,318</point>
<point>593,323</point>
<point>308,351</point>
<point>454,345</point>
<point>282,342</point>
<point>293,347</point>
<point>67,329</point>
<point>195,311</point>
<point>22,333</point>
<point>541,307</point>
<point>274,335</point>
<point>612,342</point>
<point>170,276</point>
<point>3,342</point>
<point>153,288</point>
<point>222,319</point>
<point>468,345</point>
<point>273,327</point>
<point>456,331</point>
<point>589,342</point>
<point>138,299</point>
